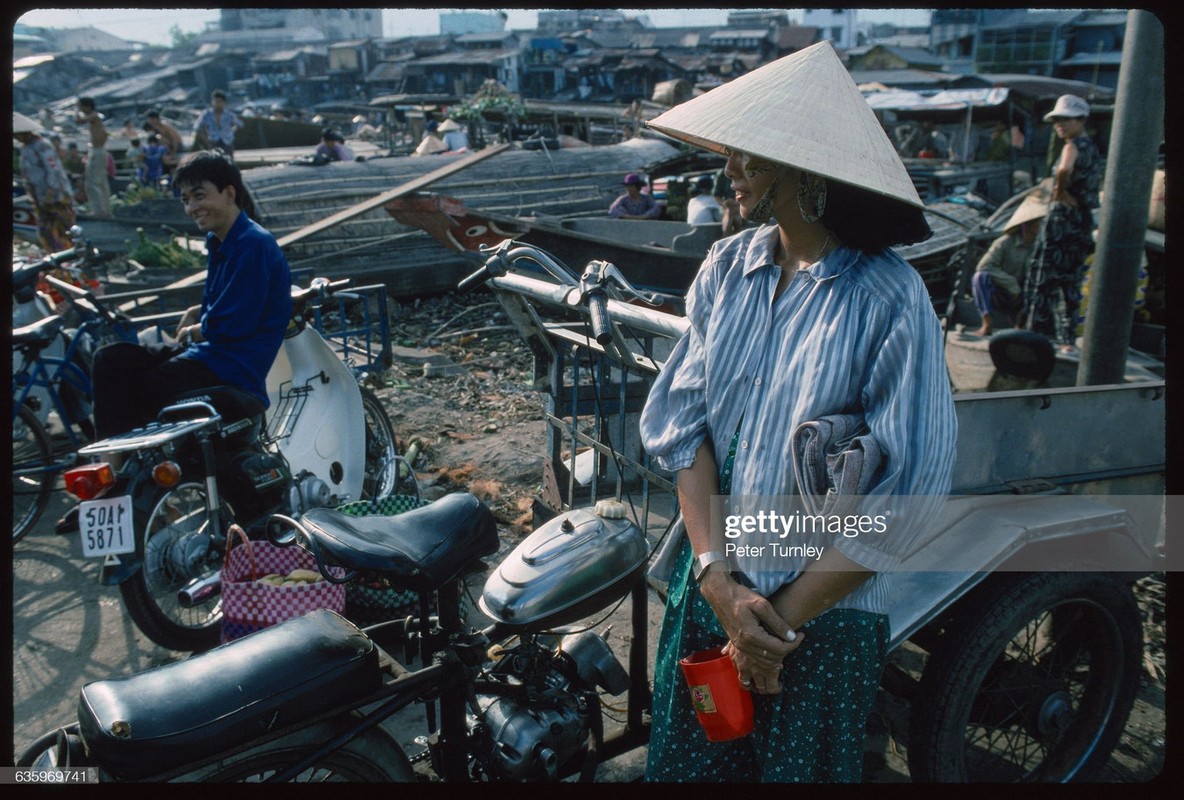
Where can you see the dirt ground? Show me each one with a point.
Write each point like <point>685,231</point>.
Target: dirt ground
<point>460,393</point>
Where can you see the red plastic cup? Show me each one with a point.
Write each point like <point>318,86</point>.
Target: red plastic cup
<point>724,708</point>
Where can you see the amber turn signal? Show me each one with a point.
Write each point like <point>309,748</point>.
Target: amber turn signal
<point>166,474</point>
<point>90,480</point>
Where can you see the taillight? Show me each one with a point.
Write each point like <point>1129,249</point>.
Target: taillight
<point>90,480</point>
<point>166,474</point>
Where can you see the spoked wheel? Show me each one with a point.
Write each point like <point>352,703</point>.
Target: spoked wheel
<point>373,757</point>
<point>32,472</point>
<point>177,551</point>
<point>382,466</point>
<point>1034,682</point>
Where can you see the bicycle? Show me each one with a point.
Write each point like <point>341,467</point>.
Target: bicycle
<point>64,382</point>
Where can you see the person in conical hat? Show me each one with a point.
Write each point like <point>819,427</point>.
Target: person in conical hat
<point>998,278</point>
<point>46,182</point>
<point>455,137</point>
<point>804,314</point>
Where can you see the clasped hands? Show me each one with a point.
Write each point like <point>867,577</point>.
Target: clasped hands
<point>747,619</point>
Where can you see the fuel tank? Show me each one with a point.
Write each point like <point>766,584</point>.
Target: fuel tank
<point>572,566</point>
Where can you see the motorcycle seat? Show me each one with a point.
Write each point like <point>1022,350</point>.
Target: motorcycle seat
<point>229,401</point>
<point>146,725</point>
<point>421,549</point>
<point>39,333</point>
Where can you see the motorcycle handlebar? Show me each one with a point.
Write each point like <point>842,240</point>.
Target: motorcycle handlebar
<point>598,311</point>
<point>473,281</point>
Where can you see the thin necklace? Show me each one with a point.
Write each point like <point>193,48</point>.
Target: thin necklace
<point>822,250</point>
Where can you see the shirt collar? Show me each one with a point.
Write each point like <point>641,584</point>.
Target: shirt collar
<point>762,251</point>
<point>236,230</point>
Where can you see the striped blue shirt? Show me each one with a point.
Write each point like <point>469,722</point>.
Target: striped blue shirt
<point>851,333</point>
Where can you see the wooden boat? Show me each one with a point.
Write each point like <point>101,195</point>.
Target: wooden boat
<point>374,246</point>
<point>968,357</point>
<point>659,255</point>
<point>656,255</point>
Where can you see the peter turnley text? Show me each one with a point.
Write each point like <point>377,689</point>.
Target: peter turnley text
<point>773,550</point>
<point>771,523</point>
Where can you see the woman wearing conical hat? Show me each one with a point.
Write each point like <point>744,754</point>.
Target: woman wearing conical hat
<point>806,313</point>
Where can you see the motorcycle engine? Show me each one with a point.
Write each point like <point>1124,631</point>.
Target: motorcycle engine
<point>530,735</point>
<point>255,481</point>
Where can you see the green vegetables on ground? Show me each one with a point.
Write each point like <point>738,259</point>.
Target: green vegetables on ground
<point>168,254</point>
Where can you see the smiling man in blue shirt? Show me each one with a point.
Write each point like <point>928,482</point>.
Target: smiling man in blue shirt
<point>232,337</point>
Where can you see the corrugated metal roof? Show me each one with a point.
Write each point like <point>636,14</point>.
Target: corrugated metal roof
<point>740,33</point>
<point>465,57</point>
<point>903,77</point>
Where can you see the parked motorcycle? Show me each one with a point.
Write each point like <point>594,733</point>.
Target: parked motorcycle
<point>214,457</point>
<point>304,700</point>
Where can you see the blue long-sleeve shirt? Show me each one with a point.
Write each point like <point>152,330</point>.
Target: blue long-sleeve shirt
<point>245,307</point>
<point>851,333</point>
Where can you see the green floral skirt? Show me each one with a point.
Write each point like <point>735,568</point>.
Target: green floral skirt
<point>812,732</point>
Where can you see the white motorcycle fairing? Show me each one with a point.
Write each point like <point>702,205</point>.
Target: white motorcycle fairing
<point>316,413</point>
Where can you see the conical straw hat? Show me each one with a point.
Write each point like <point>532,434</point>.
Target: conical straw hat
<point>23,124</point>
<point>803,110</point>
<point>1033,206</point>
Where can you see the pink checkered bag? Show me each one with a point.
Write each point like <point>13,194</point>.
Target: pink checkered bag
<point>249,606</point>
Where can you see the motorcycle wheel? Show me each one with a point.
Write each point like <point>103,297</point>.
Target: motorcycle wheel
<point>176,551</point>
<point>382,467</point>
<point>373,757</point>
<point>32,472</point>
<point>1033,681</point>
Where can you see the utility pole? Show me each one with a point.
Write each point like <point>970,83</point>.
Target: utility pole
<point>1130,171</point>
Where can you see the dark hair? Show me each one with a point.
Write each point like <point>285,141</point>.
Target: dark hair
<point>87,102</point>
<point>218,93</point>
<point>871,222</point>
<point>215,167</point>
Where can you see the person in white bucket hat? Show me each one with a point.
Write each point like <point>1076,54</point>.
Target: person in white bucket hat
<point>804,315</point>
<point>1077,177</point>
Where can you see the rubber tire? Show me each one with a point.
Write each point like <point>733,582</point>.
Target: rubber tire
<point>973,642</point>
<point>142,606</point>
<point>381,445</point>
<point>39,458</point>
<point>373,757</point>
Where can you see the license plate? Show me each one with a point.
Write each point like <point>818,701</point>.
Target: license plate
<point>106,526</point>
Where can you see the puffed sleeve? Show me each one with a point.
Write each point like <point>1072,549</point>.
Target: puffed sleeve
<point>674,420</point>
<point>909,409</point>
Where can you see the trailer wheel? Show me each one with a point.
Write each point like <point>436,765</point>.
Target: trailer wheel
<point>1033,681</point>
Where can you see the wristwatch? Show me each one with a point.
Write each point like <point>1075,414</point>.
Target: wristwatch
<point>706,560</point>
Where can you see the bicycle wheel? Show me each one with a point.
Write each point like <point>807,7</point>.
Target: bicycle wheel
<point>382,468</point>
<point>32,472</point>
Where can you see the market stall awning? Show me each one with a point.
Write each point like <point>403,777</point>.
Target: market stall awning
<point>945,100</point>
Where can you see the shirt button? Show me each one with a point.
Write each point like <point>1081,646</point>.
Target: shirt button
<point>757,382</point>
<point>744,445</point>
